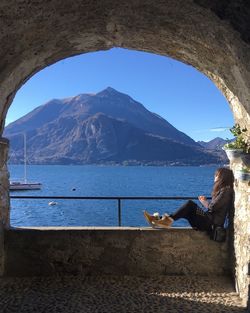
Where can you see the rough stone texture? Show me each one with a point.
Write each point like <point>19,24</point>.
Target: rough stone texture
<point>4,183</point>
<point>235,12</point>
<point>119,251</point>
<point>213,36</point>
<point>242,231</point>
<point>4,197</point>
<point>110,294</point>
<point>195,32</point>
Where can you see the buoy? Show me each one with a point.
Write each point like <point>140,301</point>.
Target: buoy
<point>52,203</point>
<point>73,189</point>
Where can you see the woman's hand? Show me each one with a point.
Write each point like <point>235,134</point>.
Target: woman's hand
<point>202,198</point>
<point>203,201</point>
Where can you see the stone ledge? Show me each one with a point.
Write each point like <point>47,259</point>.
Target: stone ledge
<point>99,228</point>
<point>115,251</point>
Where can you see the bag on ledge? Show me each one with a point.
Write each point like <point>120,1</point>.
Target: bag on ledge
<point>218,234</point>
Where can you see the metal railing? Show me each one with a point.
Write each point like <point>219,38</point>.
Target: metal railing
<point>119,200</point>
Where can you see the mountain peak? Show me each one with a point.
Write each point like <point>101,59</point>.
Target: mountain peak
<point>109,91</point>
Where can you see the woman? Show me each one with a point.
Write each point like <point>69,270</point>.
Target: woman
<point>216,211</point>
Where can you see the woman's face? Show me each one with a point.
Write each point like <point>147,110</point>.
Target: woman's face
<point>216,177</point>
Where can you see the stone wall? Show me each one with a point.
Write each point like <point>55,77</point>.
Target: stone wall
<point>241,231</point>
<point>211,38</point>
<point>117,251</point>
<point>4,197</point>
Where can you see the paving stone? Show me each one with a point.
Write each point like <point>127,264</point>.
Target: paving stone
<point>105,294</point>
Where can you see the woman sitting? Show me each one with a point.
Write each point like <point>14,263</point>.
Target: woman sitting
<point>216,210</point>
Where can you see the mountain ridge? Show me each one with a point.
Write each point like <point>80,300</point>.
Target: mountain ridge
<point>91,128</point>
<point>103,102</point>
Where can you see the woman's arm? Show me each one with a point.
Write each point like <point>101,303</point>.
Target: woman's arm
<point>203,200</point>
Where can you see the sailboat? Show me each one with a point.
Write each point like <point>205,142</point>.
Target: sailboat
<point>25,184</point>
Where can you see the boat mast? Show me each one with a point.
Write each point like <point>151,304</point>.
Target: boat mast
<point>25,158</point>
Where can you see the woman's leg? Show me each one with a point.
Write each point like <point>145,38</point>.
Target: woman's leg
<point>186,211</point>
<point>189,210</point>
<point>195,216</point>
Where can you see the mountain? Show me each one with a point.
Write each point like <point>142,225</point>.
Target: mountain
<point>214,144</point>
<point>107,127</point>
<point>109,102</point>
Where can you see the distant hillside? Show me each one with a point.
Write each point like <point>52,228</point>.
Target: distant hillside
<point>107,127</point>
<point>215,146</point>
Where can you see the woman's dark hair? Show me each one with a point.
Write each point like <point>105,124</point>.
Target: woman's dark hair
<point>225,178</point>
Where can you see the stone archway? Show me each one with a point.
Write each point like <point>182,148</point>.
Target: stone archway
<point>212,36</point>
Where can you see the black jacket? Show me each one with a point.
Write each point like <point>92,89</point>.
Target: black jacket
<point>221,204</point>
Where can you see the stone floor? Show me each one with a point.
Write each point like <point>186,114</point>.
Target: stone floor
<point>118,294</point>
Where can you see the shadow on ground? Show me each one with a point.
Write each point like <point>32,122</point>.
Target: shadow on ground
<point>119,294</point>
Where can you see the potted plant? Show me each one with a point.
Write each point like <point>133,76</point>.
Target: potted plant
<point>243,174</point>
<point>239,145</point>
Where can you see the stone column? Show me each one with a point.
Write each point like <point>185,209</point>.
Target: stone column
<point>4,197</point>
<point>241,232</point>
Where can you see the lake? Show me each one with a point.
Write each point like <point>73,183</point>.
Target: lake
<point>60,180</point>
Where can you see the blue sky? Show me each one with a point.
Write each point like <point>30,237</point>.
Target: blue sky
<point>178,92</point>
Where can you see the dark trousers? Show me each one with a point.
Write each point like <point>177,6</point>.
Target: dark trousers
<point>196,217</point>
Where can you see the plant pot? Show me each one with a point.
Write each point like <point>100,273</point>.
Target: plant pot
<point>233,153</point>
<point>243,176</point>
<point>246,159</point>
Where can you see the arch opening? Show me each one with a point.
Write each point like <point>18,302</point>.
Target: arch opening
<point>149,93</point>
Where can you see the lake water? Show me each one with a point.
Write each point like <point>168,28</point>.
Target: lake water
<point>137,181</point>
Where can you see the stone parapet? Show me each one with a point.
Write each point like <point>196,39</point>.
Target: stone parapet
<point>117,251</point>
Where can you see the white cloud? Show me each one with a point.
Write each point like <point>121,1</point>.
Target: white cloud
<point>219,129</point>
<point>215,129</point>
